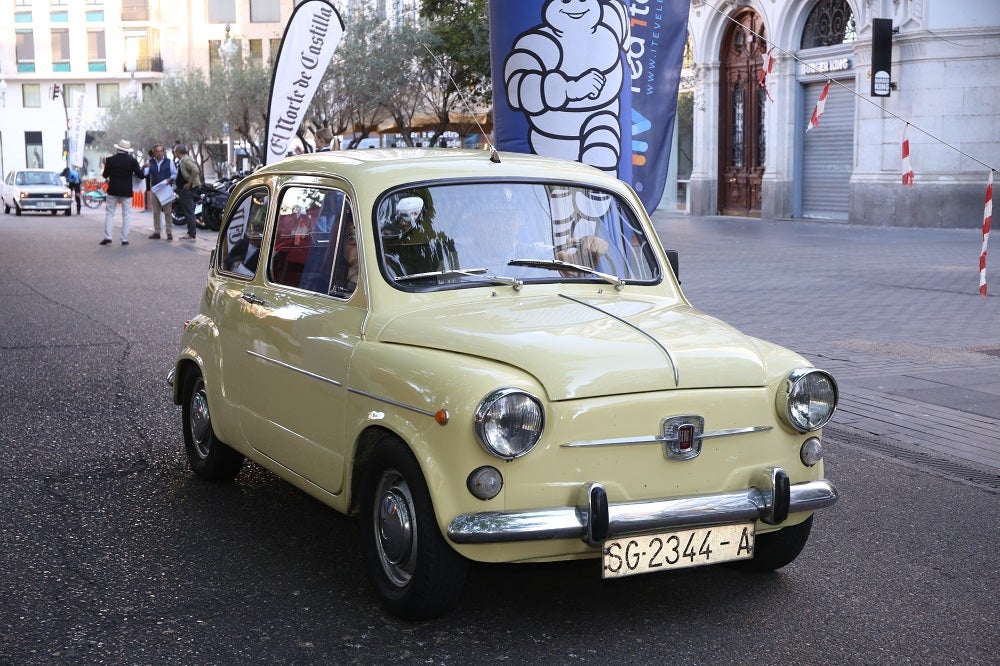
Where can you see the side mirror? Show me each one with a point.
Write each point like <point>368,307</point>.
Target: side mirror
<point>675,263</point>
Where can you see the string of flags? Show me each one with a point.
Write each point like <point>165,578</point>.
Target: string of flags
<point>765,71</point>
<point>987,222</point>
<point>907,169</point>
<point>818,109</point>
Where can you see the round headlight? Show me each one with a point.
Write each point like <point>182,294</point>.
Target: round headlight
<point>509,423</point>
<point>807,399</point>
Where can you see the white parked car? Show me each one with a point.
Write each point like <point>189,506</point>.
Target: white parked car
<point>38,190</point>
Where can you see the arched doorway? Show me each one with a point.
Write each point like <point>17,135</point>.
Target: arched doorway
<point>742,141</point>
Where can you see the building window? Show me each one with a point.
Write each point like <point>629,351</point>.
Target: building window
<point>135,10</point>
<point>59,17</point>
<point>831,22</point>
<point>222,11</point>
<point>142,50</point>
<point>274,45</point>
<point>256,55</point>
<point>107,94</point>
<point>34,156</point>
<point>264,11</point>
<point>214,59</point>
<point>22,17</point>
<point>31,95</point>
<point>70,90</point>
<point>22,3</point>
<point>96,55</point>
<point>58,3</point>
<point>25,51</point>
<point>60,50</point>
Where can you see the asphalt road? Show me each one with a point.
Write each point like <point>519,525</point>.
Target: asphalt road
<point>114,553</point>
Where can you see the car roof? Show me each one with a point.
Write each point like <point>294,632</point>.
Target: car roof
<point>402,164</point>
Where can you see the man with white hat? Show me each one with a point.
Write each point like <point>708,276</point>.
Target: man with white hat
<point>119,170</point>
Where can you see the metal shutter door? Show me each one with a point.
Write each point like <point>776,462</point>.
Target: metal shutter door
<point>828,154</point>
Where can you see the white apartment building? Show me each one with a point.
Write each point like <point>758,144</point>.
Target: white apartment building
<point>107,49</point>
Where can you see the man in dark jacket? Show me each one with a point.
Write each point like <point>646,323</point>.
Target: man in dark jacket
<point>119,170</point>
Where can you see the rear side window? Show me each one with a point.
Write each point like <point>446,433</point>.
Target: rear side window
<point>314,244</point>
<point>243,233</point>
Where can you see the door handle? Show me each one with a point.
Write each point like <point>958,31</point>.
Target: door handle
<point>251,299</point>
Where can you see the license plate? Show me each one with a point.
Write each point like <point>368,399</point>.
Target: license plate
<point>45,204</point>
<point>633,555</point>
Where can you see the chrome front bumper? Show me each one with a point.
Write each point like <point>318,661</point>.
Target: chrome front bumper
<point>771,499</point>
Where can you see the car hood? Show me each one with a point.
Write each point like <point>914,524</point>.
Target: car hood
<point>594,346</point>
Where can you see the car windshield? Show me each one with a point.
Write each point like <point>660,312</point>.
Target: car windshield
<point>467,234</point>
<point>38,178</point>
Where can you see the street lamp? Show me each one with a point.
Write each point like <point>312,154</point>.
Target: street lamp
<point>133,89</point>
<point>228,51</point>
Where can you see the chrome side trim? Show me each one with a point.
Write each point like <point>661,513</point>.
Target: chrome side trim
<point>292,367</point>
<point>625,518</point>
<point>673,364</point>
<point>660,439</point>
<point>387,401</point>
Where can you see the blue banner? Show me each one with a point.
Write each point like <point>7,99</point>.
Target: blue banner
<point>593,81</point>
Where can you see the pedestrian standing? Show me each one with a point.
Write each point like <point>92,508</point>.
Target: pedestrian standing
<point>73,182</point>
<point>119,170</point>
<point>188,178</point>
<point>159,169</point>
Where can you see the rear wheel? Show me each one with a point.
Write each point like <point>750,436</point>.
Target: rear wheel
<point>6,208</point>
<point>209,457</point>
<point>776,549</point>
<point>416,574</point>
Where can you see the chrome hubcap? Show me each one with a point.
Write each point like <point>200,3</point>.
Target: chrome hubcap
<point>201,421</point>
<point>395,527</point>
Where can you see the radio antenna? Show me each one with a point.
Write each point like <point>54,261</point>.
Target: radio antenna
<point>494,154</point>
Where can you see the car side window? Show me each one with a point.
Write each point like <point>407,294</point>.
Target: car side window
<point>240,240</point>
<point>308,250</point>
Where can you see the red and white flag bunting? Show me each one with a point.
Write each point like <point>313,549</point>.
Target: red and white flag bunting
<point>987,222</point>
<point>765,70</point>
<point>907,169</point>
<point>820,105</point>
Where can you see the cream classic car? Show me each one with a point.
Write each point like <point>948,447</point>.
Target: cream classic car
<point>491,360</point>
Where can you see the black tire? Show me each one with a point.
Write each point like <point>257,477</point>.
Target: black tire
<point>68,211</point>
<point>17,210</point>
<point>416,574</point>
<point>209,457</point>
<point>176,217</point>
<point>777,549</point>
<point>6,208</point>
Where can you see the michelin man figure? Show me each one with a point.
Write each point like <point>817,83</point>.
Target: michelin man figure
<point>566,76</point>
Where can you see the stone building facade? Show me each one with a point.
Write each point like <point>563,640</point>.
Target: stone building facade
<point>753,156</point>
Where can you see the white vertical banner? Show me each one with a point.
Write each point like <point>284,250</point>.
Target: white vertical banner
<point>312,35</point>
<point>77,130</point>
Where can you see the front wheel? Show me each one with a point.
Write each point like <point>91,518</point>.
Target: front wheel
<point>776,549</point>
<point>93,200</point>
<point>416,574</point>
<point>209,457</point>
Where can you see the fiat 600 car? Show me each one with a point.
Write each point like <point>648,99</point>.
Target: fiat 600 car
<point>492,360</point>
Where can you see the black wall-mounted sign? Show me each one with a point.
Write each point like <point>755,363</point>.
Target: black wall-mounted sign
<point>881,57</point>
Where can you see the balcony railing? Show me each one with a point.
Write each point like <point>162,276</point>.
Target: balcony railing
<point>146,64</point>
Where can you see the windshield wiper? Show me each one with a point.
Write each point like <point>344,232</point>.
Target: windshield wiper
<point>556,265</point>
<point>467,272</point>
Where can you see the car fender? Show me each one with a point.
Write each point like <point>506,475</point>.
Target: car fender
<point>428,398</point>
<point>200,346</point>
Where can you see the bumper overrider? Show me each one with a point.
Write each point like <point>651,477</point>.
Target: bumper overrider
<point>771,499</point>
